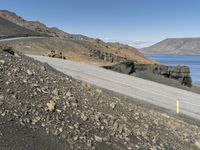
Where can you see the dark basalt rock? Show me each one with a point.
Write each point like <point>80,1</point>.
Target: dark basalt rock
<point>108,57</point>
<point>123,67</point>
<point>180,73</point>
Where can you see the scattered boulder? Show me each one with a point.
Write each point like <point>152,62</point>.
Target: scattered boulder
<point>98,138</point>
<point>56,54</point>
<point>51,105</point>
<point>2,62</point>
<point>9,50</point>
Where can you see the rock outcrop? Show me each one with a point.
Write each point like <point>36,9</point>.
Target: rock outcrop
<point>56,54</point>
<point>107,57</point>
<point>180,73</point>
<point>127,67</point>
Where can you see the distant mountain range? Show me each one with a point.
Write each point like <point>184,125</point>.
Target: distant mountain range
<point>175,46</point>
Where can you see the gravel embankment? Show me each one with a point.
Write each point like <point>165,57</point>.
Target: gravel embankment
<point>38,102</point>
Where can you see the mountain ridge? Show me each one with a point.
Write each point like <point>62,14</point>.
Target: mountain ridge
<point>39,27</point>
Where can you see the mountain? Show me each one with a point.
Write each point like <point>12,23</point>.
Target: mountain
<point>39,27</point>
<point>74,47</point>
<point>84,49</point>
<point>175,46</point>
<point>9,29</point>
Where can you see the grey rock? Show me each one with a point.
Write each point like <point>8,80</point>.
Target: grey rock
<point>98,138</point>
<point>84,117</point>
<point>29,72</point>
<point>113,105</point>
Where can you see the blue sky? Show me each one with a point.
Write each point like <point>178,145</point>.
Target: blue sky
<point>137,22</point>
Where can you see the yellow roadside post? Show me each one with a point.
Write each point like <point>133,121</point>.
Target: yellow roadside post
<point>177,106</point>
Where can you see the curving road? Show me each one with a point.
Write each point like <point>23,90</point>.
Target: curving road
<point>20,38</point>
<point>152,92</point>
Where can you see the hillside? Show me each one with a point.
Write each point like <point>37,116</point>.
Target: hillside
<point>175,46</point>
<point>73,47</point>
<point>88,51</point>
<point>42,108</point>
<point>9,29</point>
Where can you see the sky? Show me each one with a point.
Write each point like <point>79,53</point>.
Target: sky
<point>135,22</point>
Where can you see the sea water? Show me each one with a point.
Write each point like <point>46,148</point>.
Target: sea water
<point>192,61</point>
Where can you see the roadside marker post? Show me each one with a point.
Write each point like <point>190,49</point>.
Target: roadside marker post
<point>177,106</point>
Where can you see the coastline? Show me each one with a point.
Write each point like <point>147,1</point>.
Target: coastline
<point>192,61</point>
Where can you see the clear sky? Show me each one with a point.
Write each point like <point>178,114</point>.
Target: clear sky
<point>130,21</point>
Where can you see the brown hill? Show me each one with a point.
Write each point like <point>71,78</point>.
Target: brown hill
<point>87,51</point>
<point>38,26</point>
<point>74,47</point>
<point>9,29</point>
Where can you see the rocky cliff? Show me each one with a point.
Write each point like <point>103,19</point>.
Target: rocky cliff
<point>180,73</point>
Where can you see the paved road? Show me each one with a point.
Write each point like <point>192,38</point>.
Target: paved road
<point>20,38</point>
<point>155,93</point>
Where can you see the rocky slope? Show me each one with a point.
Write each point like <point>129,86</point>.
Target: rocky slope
<point>175,46</point>
<point>41,102</point>
<point>88,51</point>
<point>9,29</point>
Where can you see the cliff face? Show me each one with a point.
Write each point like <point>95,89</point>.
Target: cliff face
<point>179,73</point>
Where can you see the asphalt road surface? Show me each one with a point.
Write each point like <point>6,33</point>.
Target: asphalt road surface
<point>151,92</point>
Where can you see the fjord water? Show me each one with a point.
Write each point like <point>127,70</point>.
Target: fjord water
<point>193,61</point>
